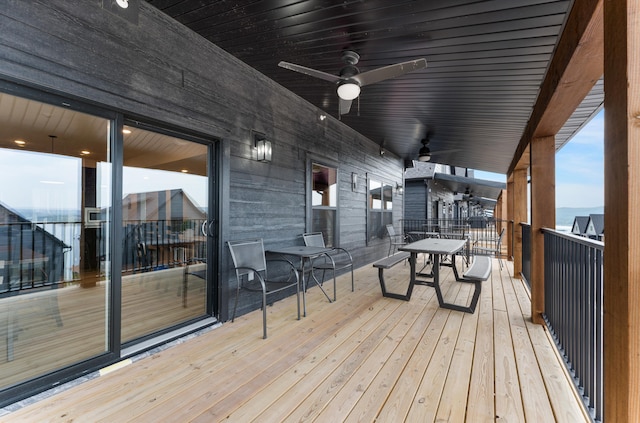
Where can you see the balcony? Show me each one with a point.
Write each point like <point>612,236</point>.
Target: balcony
<point>363,358</point>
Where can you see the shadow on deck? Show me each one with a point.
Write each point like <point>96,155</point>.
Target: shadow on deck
<point>364,358</point>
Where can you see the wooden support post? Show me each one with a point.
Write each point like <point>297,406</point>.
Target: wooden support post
<point>510,228</point>
<point>504,215</point>
<point>497,209</point>
<point>622,219</point>
<point>543,215</point>
<point>520,205</point>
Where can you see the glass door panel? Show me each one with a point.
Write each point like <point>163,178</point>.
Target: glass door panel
<point>164,227</point>
<point>54,220</point>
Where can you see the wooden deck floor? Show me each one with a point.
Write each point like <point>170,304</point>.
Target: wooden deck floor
<point>364,358</point>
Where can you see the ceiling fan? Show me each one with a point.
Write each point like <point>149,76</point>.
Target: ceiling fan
<point>350,80</point>
<point>425,153</point>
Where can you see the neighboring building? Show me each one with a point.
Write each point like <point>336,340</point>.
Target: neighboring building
<point>580,225</point>
<point>161,228</point>
<point>434,192</point>
<point>30,257</point>
<point>164,205</point>
<point>595,227</point>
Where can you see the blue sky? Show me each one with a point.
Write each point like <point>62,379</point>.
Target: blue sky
<point>579,168</point>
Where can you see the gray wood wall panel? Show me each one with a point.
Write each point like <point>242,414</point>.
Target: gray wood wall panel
<point>157,70</point>
<point>416,199</point>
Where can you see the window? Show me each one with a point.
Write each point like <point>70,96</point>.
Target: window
<point>380,208</point>
<point>324,202</point>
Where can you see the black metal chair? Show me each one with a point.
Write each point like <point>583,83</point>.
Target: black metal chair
<point>395,240</point>
<point>338,259</point>
<point>250,266</point>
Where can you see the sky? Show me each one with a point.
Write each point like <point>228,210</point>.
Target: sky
<point>579,168</point>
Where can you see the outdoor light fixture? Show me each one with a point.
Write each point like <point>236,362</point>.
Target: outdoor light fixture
<point>425,154</point>
<point>399,189</point>
<point>126,9</point>
<point>263,148</point>
<point>348,90</point>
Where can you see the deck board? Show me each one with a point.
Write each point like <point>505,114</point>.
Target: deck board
<point>363,358</point>
<point>481,401</point>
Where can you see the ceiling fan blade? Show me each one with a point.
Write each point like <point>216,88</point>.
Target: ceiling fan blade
<point>388,72</point>
<point>345,106</point>
<point>309,71</point>
<point>451,150</point>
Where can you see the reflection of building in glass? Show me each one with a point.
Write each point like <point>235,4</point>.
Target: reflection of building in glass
<point>161,228</point>
<point>30,256</point>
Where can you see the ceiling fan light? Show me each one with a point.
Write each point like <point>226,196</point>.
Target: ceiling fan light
<point>425,154</point>
<point>348,90</point>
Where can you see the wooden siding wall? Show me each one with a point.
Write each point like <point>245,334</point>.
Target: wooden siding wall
<point>420,196</point>
<point>415,199</point>
<point>158,70</point>
<point>443,196</point>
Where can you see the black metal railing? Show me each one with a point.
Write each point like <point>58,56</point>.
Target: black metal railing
<point>160,244</point>
<point>39,254</point>
<point>526,253</point>
<point>32,255</point>
<point>574,310</point>
<point>482,232</point>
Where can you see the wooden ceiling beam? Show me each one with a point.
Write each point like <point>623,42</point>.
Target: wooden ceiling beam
<point>576,66</point>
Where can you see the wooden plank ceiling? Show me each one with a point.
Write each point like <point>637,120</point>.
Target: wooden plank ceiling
<point>486,63</point>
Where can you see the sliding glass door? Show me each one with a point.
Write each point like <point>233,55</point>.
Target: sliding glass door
<point>166,231</point>
<point>106,238</point>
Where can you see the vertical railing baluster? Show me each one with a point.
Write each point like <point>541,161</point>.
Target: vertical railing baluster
<point>573,310</point>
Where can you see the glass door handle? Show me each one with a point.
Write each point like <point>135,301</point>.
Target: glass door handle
<point>203,228</point>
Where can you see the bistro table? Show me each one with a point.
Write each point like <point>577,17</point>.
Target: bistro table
<point>305,254</point>
<point>436,247</point>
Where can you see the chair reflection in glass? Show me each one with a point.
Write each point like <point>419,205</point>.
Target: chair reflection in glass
<point>250,266</point>
<point>337,259</point>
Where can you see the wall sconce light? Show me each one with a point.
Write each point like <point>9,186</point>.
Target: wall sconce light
<point>263,148</point>
<point>399,189</point>
<point>354,182</point>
